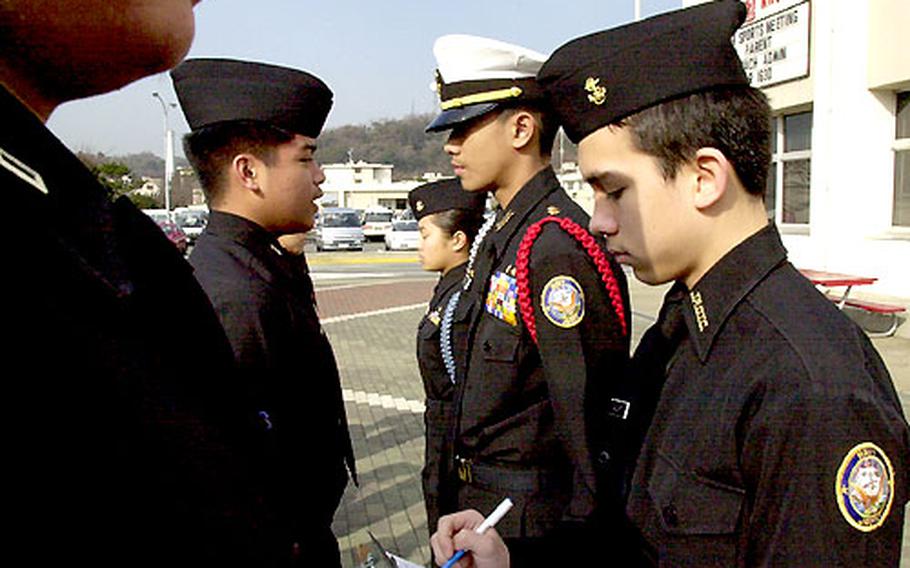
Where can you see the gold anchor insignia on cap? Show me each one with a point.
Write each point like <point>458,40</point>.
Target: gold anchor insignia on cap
<point>420,206</point>
<point>438,82</point>
<point>597,94</point>
<point>698,306</point>
<point>552,210</point>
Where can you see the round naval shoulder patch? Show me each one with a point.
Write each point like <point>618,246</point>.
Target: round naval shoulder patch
<point>563,301</point>
<point>864,487</point>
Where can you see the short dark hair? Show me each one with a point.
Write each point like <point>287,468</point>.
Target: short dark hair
<point>735,120</point>
<point>453,220</point>
<point>547,125</point>
<point>210,149</point>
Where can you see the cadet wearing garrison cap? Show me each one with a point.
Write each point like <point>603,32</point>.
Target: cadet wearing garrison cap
<point>778,437</point>
<point>544,306</point>
<point>252,143</point>
<point>444,195</point>
<point>449,219</point>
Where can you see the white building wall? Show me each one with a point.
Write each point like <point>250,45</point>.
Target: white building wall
<point>361,184</point>
<point>852,185</point>
<point>858,62</point>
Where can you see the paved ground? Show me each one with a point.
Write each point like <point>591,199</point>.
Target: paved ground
<point>371,320</point>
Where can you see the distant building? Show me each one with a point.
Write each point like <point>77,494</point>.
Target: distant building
<point>360,185</point>
<point>151,187</point>
<point>185,188</point>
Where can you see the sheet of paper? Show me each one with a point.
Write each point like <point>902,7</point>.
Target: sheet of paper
<point>402,563</point>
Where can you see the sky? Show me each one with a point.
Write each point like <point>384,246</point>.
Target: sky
<point>376,56</point>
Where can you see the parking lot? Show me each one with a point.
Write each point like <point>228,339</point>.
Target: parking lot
<point>370,304</point>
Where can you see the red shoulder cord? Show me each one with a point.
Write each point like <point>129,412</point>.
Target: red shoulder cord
<point>588,242</point>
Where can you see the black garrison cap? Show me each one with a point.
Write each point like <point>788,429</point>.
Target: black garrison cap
<point>443,195</point>
<point>221,90</point>
<point>476,75</point>
<point>601,78</point>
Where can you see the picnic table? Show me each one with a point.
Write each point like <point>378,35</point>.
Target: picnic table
<point>826,281</point>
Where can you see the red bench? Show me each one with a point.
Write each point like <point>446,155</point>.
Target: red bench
<point>873,307</point>
<point>825,281</point>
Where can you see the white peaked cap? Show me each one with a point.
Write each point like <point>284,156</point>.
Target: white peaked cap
<point>461,57</point>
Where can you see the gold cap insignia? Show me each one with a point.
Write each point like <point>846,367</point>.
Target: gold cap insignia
<point>597,94</point>
<point>438,83</point>
<point>552,210</point>
<point>420,206</point>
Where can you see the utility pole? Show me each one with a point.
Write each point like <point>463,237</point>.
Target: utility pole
<point>168,153</point>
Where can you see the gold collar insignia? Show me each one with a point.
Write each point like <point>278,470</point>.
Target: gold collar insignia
<point>698,306</point>
<point>505,219</point>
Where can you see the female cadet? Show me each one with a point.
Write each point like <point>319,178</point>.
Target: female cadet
<point>449,219</point>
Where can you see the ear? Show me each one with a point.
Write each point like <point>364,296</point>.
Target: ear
<point>712,177</point>
<point>522,129</point>
<point>459,241</point>
<point>244,169</point>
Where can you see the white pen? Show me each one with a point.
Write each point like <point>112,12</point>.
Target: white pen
<point>498,513</point>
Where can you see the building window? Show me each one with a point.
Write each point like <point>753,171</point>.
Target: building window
<point>787,194</point>
<point>901,215</point>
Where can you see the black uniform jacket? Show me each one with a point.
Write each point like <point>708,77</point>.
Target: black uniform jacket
<point>122,425</point>
<point>528,414</point>
<point>264,297</point>
<point>778,438</point>
<point>439,389</point>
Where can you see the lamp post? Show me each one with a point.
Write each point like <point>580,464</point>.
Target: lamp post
<point>168,153</point>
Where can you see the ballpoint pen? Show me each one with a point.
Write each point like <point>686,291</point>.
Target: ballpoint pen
<point>498,513</point>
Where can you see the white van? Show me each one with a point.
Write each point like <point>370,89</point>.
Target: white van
<point>338,228</point>
<point>377,221</point>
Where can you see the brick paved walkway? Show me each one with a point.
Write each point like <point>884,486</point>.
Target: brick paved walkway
<point>375,347</point>
<point>351,299</point>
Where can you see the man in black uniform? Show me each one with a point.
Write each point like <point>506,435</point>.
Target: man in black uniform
<point>778,438</point>
<point>253,143</point>
<point>546,310</point>
<point>121,448</point>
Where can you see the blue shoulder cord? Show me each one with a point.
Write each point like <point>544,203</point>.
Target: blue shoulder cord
<point>445,329</point>
<point>445,335</point>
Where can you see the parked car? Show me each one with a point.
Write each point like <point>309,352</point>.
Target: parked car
<point>404,215</point>
<point>157,214</point>
<point>403,236</point>
<point>339,228</point>
<point>377,221</point>
<point>192,222</point>
<point>175,234</point>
